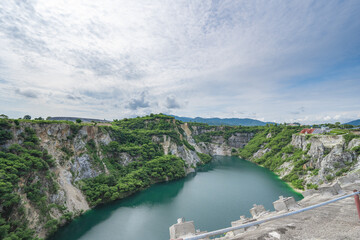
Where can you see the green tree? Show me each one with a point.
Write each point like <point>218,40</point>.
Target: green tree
<point>28,117</point>
<point>78,120</point>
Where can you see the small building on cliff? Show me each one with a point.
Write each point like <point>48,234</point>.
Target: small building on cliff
<point>321,130</point>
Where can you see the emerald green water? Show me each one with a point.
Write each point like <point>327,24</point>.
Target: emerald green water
<point>213,197</point>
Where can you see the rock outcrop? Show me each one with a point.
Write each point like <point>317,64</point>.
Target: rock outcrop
<point>327,153</point>
<point>239,140</point>
<point>217,145</point>
<point>326,157</point>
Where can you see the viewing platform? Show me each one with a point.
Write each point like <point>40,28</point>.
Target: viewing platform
<point>327,213</point>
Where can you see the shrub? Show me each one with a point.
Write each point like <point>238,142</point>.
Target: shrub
<point>356,150</point>
<point>205,158</point>
<point>187,144</point>
<point>312,186</point>
<point>329,177</point>
<point>299,183</point>
<point>350,136</point>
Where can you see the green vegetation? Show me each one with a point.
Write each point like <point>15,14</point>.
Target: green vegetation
<point>308,136</point>
<point>135,137</point>
<point>338,131</point>
<point>280,152</point>
<point>356,150</point>
<point>280,138</point>
<point>312,186</point>
<point>74,129</point>
<point>315,172</point>
<point>29,164</point>
<point>298,183</point>
<point>342,171</point>
<point>350,136</point>
<point>224,131</point>
<point>326,151</point>
<point>205,158</point>
<point>133,178</point>
<point>329,177</point>
<point>187,144</point>
<point>5,133</point>
<point>254,144</point>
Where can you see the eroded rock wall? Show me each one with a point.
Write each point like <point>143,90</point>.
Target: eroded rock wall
<point>329,154</point>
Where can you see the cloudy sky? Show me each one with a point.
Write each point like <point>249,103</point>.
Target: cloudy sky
<point>268,60</point>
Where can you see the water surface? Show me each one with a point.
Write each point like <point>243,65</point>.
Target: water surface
<point>213,197</point>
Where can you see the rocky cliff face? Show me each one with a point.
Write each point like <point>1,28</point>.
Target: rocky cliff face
<point>67,146</point>
<point>330,154</point>
<point>217,145</point>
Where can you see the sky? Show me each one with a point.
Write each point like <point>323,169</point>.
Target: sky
<point>282,61</point>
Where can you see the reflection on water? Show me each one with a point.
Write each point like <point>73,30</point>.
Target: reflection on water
<point>213,197</point>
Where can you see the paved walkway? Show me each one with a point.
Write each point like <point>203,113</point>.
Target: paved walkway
<point>336,221</point>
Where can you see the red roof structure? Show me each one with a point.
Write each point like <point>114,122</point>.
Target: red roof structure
<point>307,131</point>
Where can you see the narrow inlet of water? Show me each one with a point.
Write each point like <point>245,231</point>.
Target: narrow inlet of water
<point>215,195</point>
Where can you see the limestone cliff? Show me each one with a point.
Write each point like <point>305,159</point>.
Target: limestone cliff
<point>215,143</point>
<point>329,154</point>
<point>308,161</point>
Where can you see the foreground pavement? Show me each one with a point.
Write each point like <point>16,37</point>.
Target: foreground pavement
<point>337,221</point>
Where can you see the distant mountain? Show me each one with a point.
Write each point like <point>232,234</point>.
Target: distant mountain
<point>355,122</point>
<point>73,119</point>
<point>224,121</point>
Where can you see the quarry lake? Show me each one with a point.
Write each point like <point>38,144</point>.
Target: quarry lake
<point>215,195</point>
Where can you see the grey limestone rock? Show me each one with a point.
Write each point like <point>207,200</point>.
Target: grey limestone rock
<point>82,168</point>
<point>239,140</point>
<point>353,143</point>
<point>58,198</point>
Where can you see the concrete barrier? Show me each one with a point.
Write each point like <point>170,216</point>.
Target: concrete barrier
<point>285,204</point>
<point>182,229</point>
<point>257,211</point>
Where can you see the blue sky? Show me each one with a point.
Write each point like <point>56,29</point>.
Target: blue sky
<point>280,61</point>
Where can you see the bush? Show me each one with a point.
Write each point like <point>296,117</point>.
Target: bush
<point>51,225</point>
<point>312,186</point>
<point>187,144</point>
<point>205,158</point>
<point>24,161</point>
<point>329,177</point>
<point>356,150</point>
<point>350,136</point>
<point>135,177</point>
<point>299,183</point>
<point>315,172</point>
<point>342,171</point>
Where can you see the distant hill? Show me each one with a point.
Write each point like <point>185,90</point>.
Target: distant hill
<point>73,119</point>
<point>224,121</point>
<point>355,122</point>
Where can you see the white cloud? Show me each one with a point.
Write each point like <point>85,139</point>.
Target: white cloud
<point>225,58</point>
